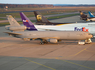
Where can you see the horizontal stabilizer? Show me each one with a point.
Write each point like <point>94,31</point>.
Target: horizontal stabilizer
<point>11,33</point>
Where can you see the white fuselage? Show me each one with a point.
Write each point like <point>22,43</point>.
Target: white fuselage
<point>68,35</point>
<point>89,27</point>
<point>90,19</point>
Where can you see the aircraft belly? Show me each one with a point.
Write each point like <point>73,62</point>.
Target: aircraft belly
<point>93,19</point>
<point>54,34</point>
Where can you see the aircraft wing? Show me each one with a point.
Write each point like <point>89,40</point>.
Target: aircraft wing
<point>11,33</point>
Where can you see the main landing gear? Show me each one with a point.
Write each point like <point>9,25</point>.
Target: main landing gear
<point>43,42</point>
<point>88,41</point>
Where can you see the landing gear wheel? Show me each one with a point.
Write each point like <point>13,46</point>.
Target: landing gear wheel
<point>41,43</point>
<point>45,42</point>
<point>88,41</point>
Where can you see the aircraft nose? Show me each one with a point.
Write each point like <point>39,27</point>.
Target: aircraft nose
<point>91,36</point>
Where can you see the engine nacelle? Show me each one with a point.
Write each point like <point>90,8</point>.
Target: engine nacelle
<point>52,40</point>
<point>16,28</point>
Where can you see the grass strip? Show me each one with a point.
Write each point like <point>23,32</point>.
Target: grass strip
<point>63,16</point>
<point>20,22</point>
<point>49,18</point>
<point>2,18</point>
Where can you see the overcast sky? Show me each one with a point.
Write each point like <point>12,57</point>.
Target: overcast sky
<point>48,1</point>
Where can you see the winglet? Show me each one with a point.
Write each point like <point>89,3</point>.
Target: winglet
<point>30,26</point>
<point>11,33</point>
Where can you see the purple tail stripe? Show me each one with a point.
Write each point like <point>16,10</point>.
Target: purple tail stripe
<point>30,26</point>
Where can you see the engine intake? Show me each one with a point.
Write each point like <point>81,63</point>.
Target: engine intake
<point>52,40</point>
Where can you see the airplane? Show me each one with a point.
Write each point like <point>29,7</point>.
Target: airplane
<point>41,20</point>
<point>51,36</point>
<point>86,27</point>
<point>85,17</point>
<point>29,25</point>
<point>91,14</point>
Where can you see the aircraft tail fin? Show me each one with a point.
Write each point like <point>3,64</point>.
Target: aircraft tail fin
<point>30,26</point>
<point>12,21</point>
<point>83,16</point>
<point>39,17</point>
<point>91,14</point>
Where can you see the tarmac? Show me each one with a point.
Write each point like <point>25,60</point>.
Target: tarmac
<point>16,54</point>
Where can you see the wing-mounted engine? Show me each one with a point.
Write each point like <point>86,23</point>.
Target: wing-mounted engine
<point>16,28</point>
<point>52,40</point>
